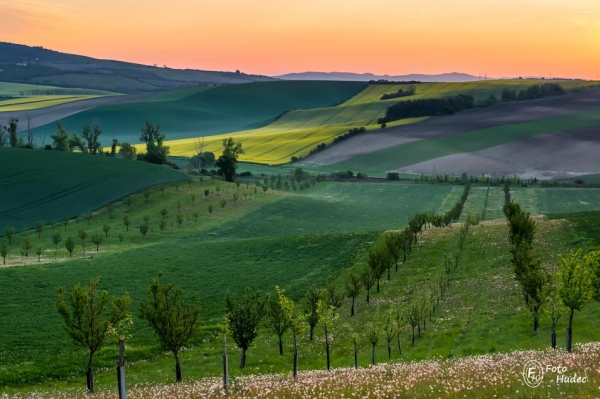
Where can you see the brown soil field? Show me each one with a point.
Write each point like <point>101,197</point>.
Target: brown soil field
<point>43,116</point>
<point>466,121</point>
<point>550,156</point>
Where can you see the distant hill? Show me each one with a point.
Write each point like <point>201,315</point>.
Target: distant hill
<point>365,77</point>
<point>37,65</point>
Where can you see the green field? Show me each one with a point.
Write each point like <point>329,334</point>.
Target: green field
<point>298,132</point>
<point>27,97</point>
<point>293,240</point>
<point>46,185</point>
<point>252,114</point>
<point>205,112</point>
<point>378,162</point>
<point>24,90</point>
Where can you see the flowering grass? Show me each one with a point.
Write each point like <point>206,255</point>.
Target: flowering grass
<point>489,376</point>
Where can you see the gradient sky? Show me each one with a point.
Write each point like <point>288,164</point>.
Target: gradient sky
<point>497,38</point>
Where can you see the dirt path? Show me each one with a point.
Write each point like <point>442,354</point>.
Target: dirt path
<point>470,120</point>
<point>43,116</point>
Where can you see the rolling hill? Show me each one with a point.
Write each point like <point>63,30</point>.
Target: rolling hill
<point>191,113</point>
<point>37,65</point>
<point>547,138</point>
<point>47,185</point>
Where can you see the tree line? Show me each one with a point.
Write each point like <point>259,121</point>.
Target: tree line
<point>427,107</point>
<point>532,92</point>
<point>576,282</point>
<point>412,89</point>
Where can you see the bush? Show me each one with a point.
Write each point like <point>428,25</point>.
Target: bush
<point>428,107</point>
<point>393,176</point>
<point>246,174</point>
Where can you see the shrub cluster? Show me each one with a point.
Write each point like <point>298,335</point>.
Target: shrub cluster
<point>533,92</point>
<point>428,107</point>
<point>400,93</point>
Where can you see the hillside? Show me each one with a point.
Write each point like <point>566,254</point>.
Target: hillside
<point>47,185</point>
<point>37,65</point>
<point>298,132</point>
<point>190,113</point>
<point>546,138</point>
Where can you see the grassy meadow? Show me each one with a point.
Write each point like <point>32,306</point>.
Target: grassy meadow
<point>67,184</point>
<point>27,97</point>
<point>289,239</point>
<point>208,111</point>
<point>273,120</point>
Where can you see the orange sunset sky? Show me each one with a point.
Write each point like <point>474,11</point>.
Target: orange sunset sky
<point>497,38</point>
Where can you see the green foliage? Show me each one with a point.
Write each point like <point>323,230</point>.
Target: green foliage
<point>70,245</point>
<point>353,286</point>
<point>4,248</point>
<point>173,320</point>
<point>311,300</point>
<point>278,318</point>
<point>9,232</point>
<point>84,316</point>
<point>574,284</point>
<point>127,150</point>
<point>227,162</point>
<point>243,319</point>
<point>574,280</point>
<point>156,151</point>
<point>97,239</point>
<point>61,138</point>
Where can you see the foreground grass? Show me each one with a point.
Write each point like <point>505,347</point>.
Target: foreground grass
<point>497,375</point>
<point>277,239</point>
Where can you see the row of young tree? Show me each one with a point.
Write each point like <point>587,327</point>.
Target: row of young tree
<point>576,282</point>
<point>176,321</point>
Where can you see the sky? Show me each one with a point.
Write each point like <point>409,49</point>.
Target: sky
<point>497,38</point>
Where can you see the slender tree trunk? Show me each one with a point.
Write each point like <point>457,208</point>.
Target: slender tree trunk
<point>177,368</point>
<point>378,285</point>
<point>396,264</point>
<point>295,371</point>
<point>328,354</point>
<point>243,360</point>
<point>89,374</point>
<point>388,275</point>
<point>399,346</point>
<point>404,255</point>
<point>352,308</point>
<point>373,362</point>
<point>419,330</point>
<point>413,336</point>
<point>368,294</point>
<point>355,356</point>
<point>389,351</point>
<point>553,337</point>
<point>312,328</point>
<point>570,332</point>
<point>280,346</point>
